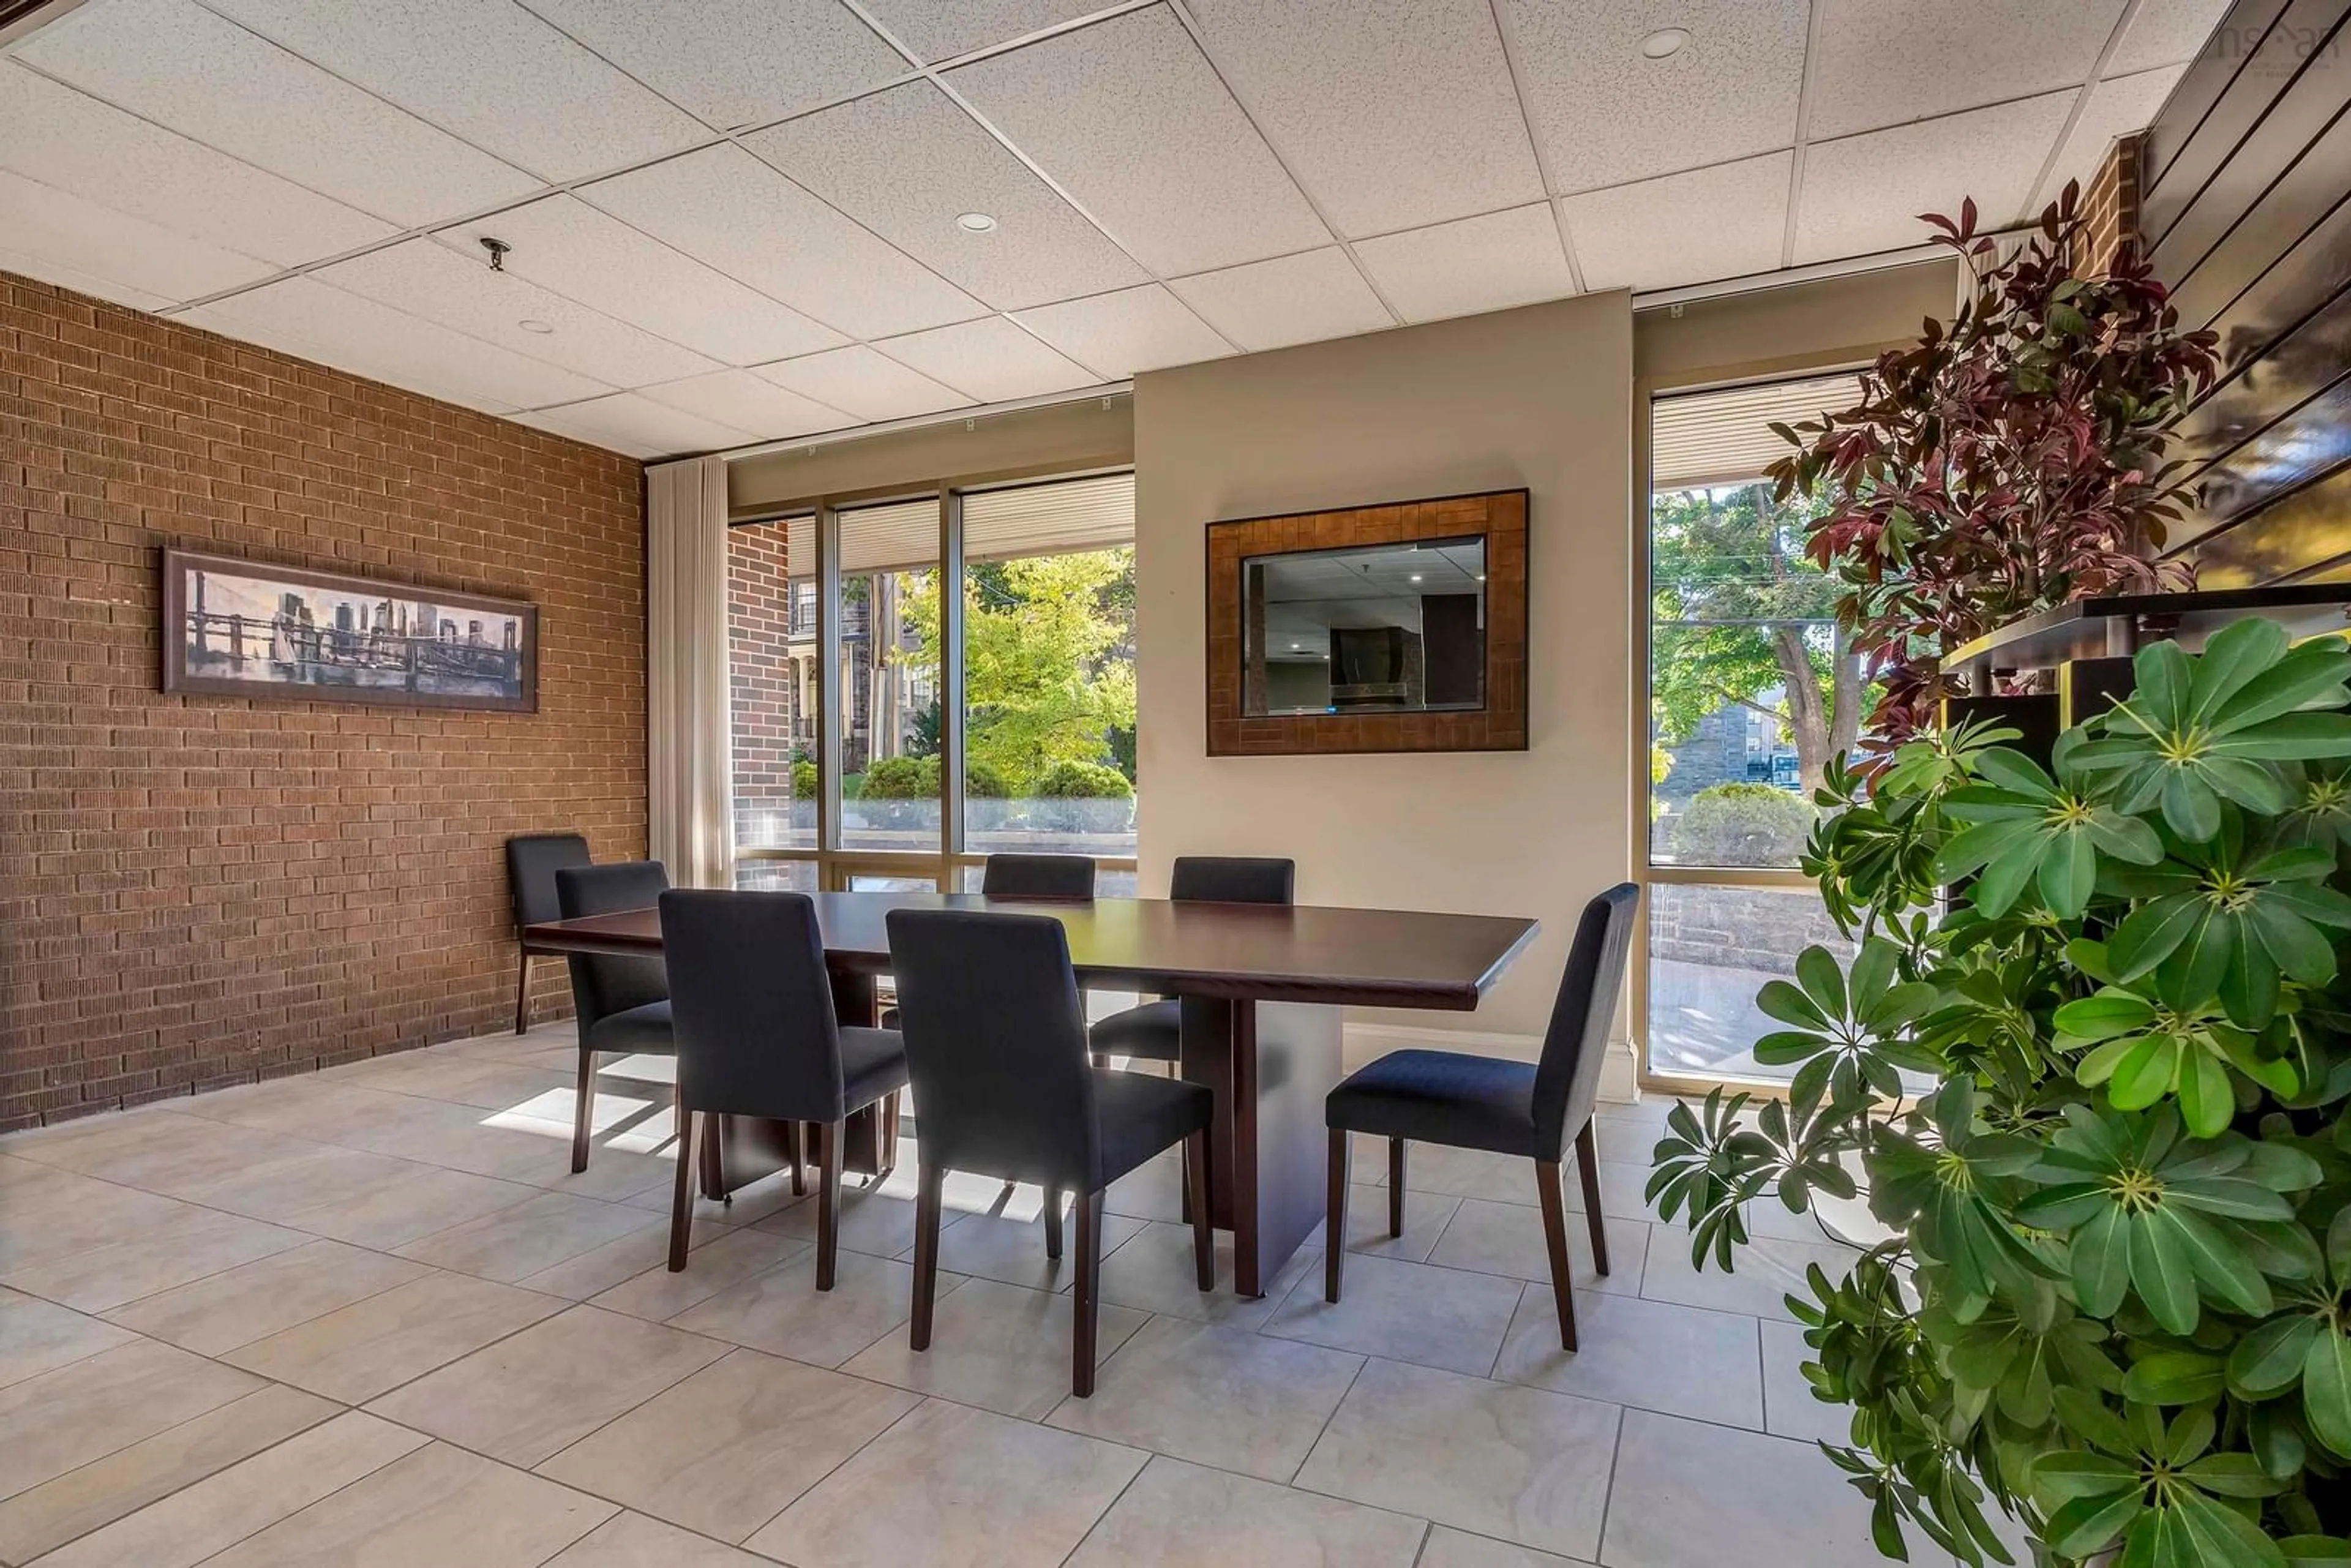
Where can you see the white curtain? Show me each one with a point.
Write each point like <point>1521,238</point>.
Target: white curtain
<point>690,791</point>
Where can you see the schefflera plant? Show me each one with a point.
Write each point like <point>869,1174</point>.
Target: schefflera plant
<point>2090,1064</point>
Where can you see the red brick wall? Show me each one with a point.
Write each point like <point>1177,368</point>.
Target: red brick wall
<point>2110,205</point>
<point>198,891</point>
<point>759,612</point>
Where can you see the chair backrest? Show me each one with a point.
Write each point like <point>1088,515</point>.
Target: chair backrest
<point>996,1043</point>
<point>1224,879</point>
<point>751,1006</point>
<point>532,860</point>
<point>1038,877</point>
<point>1567,1079</point>
<point>600,985</point>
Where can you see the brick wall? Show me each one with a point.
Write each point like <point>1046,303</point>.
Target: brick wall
<point>2110,204</point>
<point>198,891</point>
<point>759,614</point>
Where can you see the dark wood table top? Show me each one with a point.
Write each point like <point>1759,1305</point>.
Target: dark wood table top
<point>1365,958</point>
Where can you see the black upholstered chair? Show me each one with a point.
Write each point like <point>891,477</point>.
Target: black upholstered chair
<point>996,1040</point>
<point>1531,1109</point>
<point>622,1004</point>
<point>756,1036</point>
<point>1154,1030</point>
<point>1037,876</point>
<point>532,860</point>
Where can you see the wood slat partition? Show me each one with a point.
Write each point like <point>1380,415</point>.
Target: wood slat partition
<point>2246,213</point>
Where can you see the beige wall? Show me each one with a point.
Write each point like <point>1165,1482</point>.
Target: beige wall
<point>1539,397</point>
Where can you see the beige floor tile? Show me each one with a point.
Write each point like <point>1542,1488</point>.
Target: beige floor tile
<point>782,1313</point>
<point>625,1258</point>
<point>1763,1274</point>
<point>1152,1190</point>
<point>1627,1139</point>
<point>358,1352</point>
<point>1153,1272</point>
<point>1519,1463</point>
<point>1689,1493</point>
<point>1467,1173</point>
<point>197,1248</point>
<point>728,1448</point>
<point>1788,1408</point>
<point>422,1201</point>
<point>309,1106</point>
<point>131,1147</point>
<point>767,1196</point>
<point>1406,1311</point>
<point>99,1492</point>
<point>951,1486</point>
<point>37,1336</point>
<point>719,1259</point>
<point>514,1243</point>
<point>1012,1251</point>
<point>59,1214</point>
<point>190,1526</point>
<point>634,1541</point>
<point>65,1418</point>
<point>875,1222</point>
<point>437,1506</point>
<point>240,1305</point>
<point>614,1176</point>
<point>1683,1360</point>
<point>1425,1215</point>
<point>1459,1549</point>
<point>326,1175</point>
<point>489,1085</point>
<point>995,1345</point>
<point>1621,1189</point>
<point>1507,1239</point>
<point>532,1394</point>
<point>1221,1396</point>
<point>1183,1516</point>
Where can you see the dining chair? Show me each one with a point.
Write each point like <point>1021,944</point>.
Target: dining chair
<point>758,1036</point>
<point>1525,1108</point>
<point>1037,876</point>
<point>996,1045</point>
<point>1154,1030</point>
<point>532,860</point>
<point>622,1004</point>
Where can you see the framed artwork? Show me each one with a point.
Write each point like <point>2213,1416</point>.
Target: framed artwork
<point>240,628</point>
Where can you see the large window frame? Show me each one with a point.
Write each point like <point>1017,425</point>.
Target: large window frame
<point>835,866</point>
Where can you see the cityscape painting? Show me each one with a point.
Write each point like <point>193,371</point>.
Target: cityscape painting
<point>248,628</point>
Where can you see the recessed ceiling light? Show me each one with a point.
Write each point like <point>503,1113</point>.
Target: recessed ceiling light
<point>1665,42</point>
<point>1416,576</point>
<point>975,222</point>
<point>531,324</point>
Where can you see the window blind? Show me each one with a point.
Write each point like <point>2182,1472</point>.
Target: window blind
<point>893,538</point>
<point>1702,439</point>
<point>1057,518</point>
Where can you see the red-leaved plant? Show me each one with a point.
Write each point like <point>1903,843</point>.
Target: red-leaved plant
<point>2007,462</point>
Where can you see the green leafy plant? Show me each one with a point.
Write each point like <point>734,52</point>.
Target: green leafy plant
<point>2113,1299</point>
<point>1742,824</point>
<point>1083,781</point>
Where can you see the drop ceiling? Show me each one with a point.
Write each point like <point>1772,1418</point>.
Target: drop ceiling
<point>734,221</point>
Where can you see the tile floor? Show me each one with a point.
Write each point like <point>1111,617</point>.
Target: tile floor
<point>370,1317</point>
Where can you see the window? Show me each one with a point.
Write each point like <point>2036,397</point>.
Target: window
<point>771,649</point>
<point>889,678</point>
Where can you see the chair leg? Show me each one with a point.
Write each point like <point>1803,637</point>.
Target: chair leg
<point>1053,1224</point>
<point>1335,1217</point>
<point>584,1111</point>
<point>828,1202</point>
<point>522,994</point>
<point>681,1203</point>
<point>1196,1192</point>
<point>1396,1187</point>
<point>1587,1164</point>
<point>888,1117</point>
<point>928,1182</point>
<point>796,1135</point>
<point>1087,1304</point>
<point>1554,1215</point>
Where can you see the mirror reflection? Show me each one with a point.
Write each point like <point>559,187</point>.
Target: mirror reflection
<point>1395,628</point>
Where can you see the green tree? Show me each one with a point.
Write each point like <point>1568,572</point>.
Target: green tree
<point>1739,611</point>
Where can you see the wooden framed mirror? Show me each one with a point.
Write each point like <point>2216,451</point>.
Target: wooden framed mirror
<point>1400,627</point>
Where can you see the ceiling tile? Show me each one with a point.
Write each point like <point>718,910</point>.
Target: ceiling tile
<point>487,70</point>
<point>728,209</point>
<point>869,385</point>
<point>1608,114</point>
<point>941,29</point>
<point>428,279</point>
<point>2165,33</point>
<point>65,138</point>
<point>43,267</point>
<point>1116,335</point>
<point>174,63</point>
<point>1882,63</point>
<point>1153,146</point>
<point>304,317</point>
<point>906,161</point>
<point>1488,263</point>
<point>145,264</point>
<point>748,403</point>
<point>733,62</point>
<point>1394,113</point>
<point>2117,106</point>
<point>1863,193</point>
<point>1295,299</point>
<point>631,423</point>
<point>603,262</point>
<point>989,359</point>
<point>1724,222</point>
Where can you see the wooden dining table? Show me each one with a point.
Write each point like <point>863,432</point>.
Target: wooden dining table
<point>1260,989</point>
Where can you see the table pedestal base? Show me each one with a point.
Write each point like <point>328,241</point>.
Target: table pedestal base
<point>1270,1065</point>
